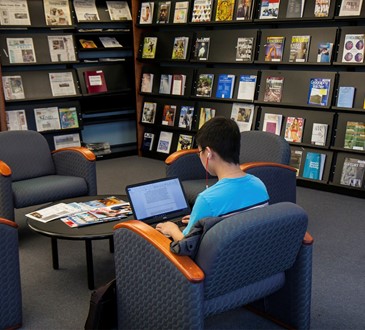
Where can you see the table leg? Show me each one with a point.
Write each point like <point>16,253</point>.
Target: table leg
<point>111,245</point>
<point>89,264</point>
<point>54,253</point>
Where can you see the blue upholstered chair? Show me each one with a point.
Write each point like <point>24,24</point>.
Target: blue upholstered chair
<point>261,257</point>
<point>263,154</point>
<point>10,288</point>
<point>30,174</point>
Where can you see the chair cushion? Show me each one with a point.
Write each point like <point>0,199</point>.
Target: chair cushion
<point>47,188</point>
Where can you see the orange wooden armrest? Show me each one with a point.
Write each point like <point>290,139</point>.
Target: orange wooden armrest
<point>246,166</point>
<point>308,239</point>
<point>88,154</point>
<point>183,263</point>
<point>8,223</point>
<point>177,154</point>
<point>4,169</point>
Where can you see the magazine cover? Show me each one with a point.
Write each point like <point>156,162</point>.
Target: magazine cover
<point>353,49</point>
<point>180,48</point>
<point>149,47</point>
<point>201,50</point>
<point>273,89</point>
<point>294,129</point>
<point>244,10</point>
<point>353,172</point>
<point>149,112</point>
<point>324,52</point>
<point>181,12</point>
<point>274,48</point>
<point>242,114</point>
<point>186,116</point>
<point>202,11</point>
<point>68,117</point>
<point>269,9</point>
<point>184,142</point>
<point>322,8</point>
<point>146,12</point>
<point>355,135</point>
<point>244,49</point>
<point>163,12</point>
<point>299,48</point>
<point>224,10</point>
<point>168,115</point>
<point>319,89</point>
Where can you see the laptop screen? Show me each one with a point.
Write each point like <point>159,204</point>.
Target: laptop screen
<point>158,200</point>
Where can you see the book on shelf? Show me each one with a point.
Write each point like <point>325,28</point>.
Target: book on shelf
<point>95,81</point>
<point>163,12</point>
<point>168,115</point>
<point>274,48</point>
<point>322,8</point>
<point>269,9</point>
<point>202,11</point>
<point>13,88</point>
<point>16,120</point>
<point>242,114</point>
<point>295,8</point>
<point>294,129</point>
<point>181,12</point>
<point>149,112</point>
<point>119,10</point>
<point>299,48</point>
<point>319,134</point>
<point>272,123</point>
<point>353,48</point>
<point>147,9</point>
<point>147,82</point>
<point>164,142</point>
<point>67,141</point>
<point>296,159</point>
<point>314,165</point>
<point>110,42</point>
<point>244,10</point>
<point>62,83</point>
<point>21,50</point>
<point>149,47</point>
<point>61,48</point>
<point>319,89</point>
<point>186,116</point>
<point>247,87</point>
<point>98,148</point>
<point>47,119</point>
<point>87,43</point>
<point>350,8</point>
<point>346,96</point>
<point>147,143</point>
<point>184,142</point>
<point>14,12</point>
<point>224,10</point>
<point>353,171</point>
<point>205,115</point>
<point>244,49</point>
<point>68,117</point>
<point>324,52</point>
<point>225,86</point>
<point>57,12</point>
<point>86,10</point>
<point>201,50</point>
<point>273,89</point>
<point>165,84</point>
<point>355,135</point>
<point>204,85</point>
<point>178,84</point>
<point>180,48</point>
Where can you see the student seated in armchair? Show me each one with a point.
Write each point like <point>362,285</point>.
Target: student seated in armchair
<point>219,142</point>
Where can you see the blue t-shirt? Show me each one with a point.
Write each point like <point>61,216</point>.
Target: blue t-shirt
<point>226,196</point>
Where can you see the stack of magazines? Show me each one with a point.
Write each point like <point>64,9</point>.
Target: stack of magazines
<point>79,214</point>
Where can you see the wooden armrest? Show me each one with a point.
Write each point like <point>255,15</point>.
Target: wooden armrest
<point>8,223</point>
<point>183,263</point>
<point>177,154</point>
<point>308,239</point>
<point>88,154</point>
<point>246,166</point>
<point>4,169</point>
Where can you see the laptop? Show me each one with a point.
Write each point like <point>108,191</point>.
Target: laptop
<point>158,201</point>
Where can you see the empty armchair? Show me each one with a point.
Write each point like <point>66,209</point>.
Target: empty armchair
<point>10,287</point>
<point>271,154</point>
<point>261,256</point>
<point>31,174</point>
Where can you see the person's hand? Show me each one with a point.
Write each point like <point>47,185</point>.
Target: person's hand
<point>170,229</point>
<point>185,219</point>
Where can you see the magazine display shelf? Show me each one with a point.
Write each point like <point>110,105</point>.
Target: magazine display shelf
<point>223,36</point>
<point>107,116</point>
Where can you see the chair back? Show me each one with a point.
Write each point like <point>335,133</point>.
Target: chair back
<point>259,146</point>
<point>250,246</point>
<point>27,153</point>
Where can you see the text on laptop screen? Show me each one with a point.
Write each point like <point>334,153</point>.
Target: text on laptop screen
<point>156,198</point>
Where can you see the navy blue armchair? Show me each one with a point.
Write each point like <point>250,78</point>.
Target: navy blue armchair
<point>10,287</point>
<point>30,174</point>
<point>263,154</point>
<point>261,257</point>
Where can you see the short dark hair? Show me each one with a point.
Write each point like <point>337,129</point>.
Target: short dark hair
<point>223,136</point>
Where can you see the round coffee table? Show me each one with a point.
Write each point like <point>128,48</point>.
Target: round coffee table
<point>56,229</point>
